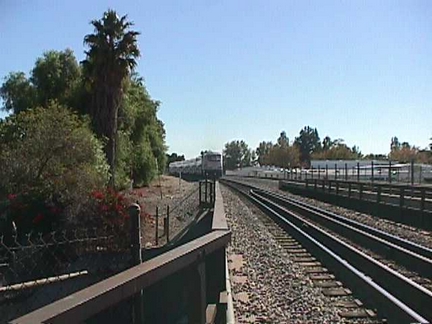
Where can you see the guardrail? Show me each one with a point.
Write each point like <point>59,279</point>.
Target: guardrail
<point>189,281</point>
<point>418,197</point>
<point>400,203</point>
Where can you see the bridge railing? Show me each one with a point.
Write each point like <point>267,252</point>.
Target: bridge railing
<point>188,281</point>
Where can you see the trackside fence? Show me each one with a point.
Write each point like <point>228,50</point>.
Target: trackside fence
<point>187,284</point>
<point>36,269</point>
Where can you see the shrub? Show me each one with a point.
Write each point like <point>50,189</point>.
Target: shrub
<point>49,157</point>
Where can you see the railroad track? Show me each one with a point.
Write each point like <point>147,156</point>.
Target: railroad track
<point>396,296</point>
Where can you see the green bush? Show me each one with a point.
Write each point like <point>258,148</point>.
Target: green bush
<point>50,160</point>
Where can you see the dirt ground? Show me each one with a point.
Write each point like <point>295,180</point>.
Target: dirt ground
<point>163,191</point>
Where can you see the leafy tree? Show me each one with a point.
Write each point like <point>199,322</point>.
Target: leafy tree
<point>236,155</point>
<point>395,145</point>
<point>308,142</point>
<point>18,93</point>
<point>145,133</point>
<point>50,156</point>
<point>356,151</point>
<point>336,150</point>
<point>283,140</point>
<point>111,57</point>
<point>263,151</point>
<point>253,158</point>
<point>55,76</point>
<point>327,143</point>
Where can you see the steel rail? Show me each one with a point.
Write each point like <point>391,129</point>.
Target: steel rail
<point>403,243</point>
<point>407,299</point>
<point>412,261</point>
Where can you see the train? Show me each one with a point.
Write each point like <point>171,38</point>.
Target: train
<point>209,164</point>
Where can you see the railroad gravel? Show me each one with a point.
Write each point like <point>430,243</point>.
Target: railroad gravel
<point>419,236</point>
<point>277,290</point>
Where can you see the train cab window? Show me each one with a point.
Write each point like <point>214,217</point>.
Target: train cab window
<point>215,158</point>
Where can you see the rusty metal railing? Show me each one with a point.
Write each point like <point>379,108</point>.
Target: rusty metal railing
<point>201,263</point>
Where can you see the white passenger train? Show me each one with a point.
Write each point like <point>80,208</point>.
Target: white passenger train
<point>210,164</point>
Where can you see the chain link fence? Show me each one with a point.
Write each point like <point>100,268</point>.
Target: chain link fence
<point>37,269</point>
<point>171,219</point>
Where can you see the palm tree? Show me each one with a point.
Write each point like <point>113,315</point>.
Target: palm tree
<point>110,60</point>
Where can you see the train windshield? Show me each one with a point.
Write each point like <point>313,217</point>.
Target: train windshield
<point>214,158</point>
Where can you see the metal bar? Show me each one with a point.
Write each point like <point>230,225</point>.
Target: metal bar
<point>94,299</point>
<point>389,172</point>
<point>378,194</point>
<point>168,223</point>
<point>423,197</point>
<point>134,214</point>
<point>336,171</point>
<point>412,172</point>
<point>358,171</point>
<point>157,226</point>
<point>205,191</point>
<point>401,197</point>
<point>41,282</point>
<point>346,171</point>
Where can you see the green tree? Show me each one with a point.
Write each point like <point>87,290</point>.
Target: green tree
<point>145,133</point>
<point>394,144</point>
<point>283,140</point>
<point>111,57</point>
<point>308,142</point>
<point>263,151</point>
<point>236,155</point>
<point>327,143</point>
<point>56,76</point>
<point>18,93</point>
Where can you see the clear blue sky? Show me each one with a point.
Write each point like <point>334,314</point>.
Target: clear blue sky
<point>224,70</point>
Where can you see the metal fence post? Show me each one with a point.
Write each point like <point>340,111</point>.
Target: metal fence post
<point>135,232</point>
<point>157,226</point>
<point>336,171</point>
<point>420,174</point>
<point>319,171</point>
<point>389,172</point>
<point>200,193</point>
<point>326,171</point>
<point>167,223</point>
<point>372,171</point>
<point>358,171</point>
<point>205,191</point>
<point>346,172</point>
<point>412,172</point>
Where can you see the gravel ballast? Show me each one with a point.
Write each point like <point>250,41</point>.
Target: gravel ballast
<point>269,287</point>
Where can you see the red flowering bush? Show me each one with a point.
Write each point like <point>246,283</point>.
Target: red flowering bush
<point>33,211</point>
<point>107,207</point>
